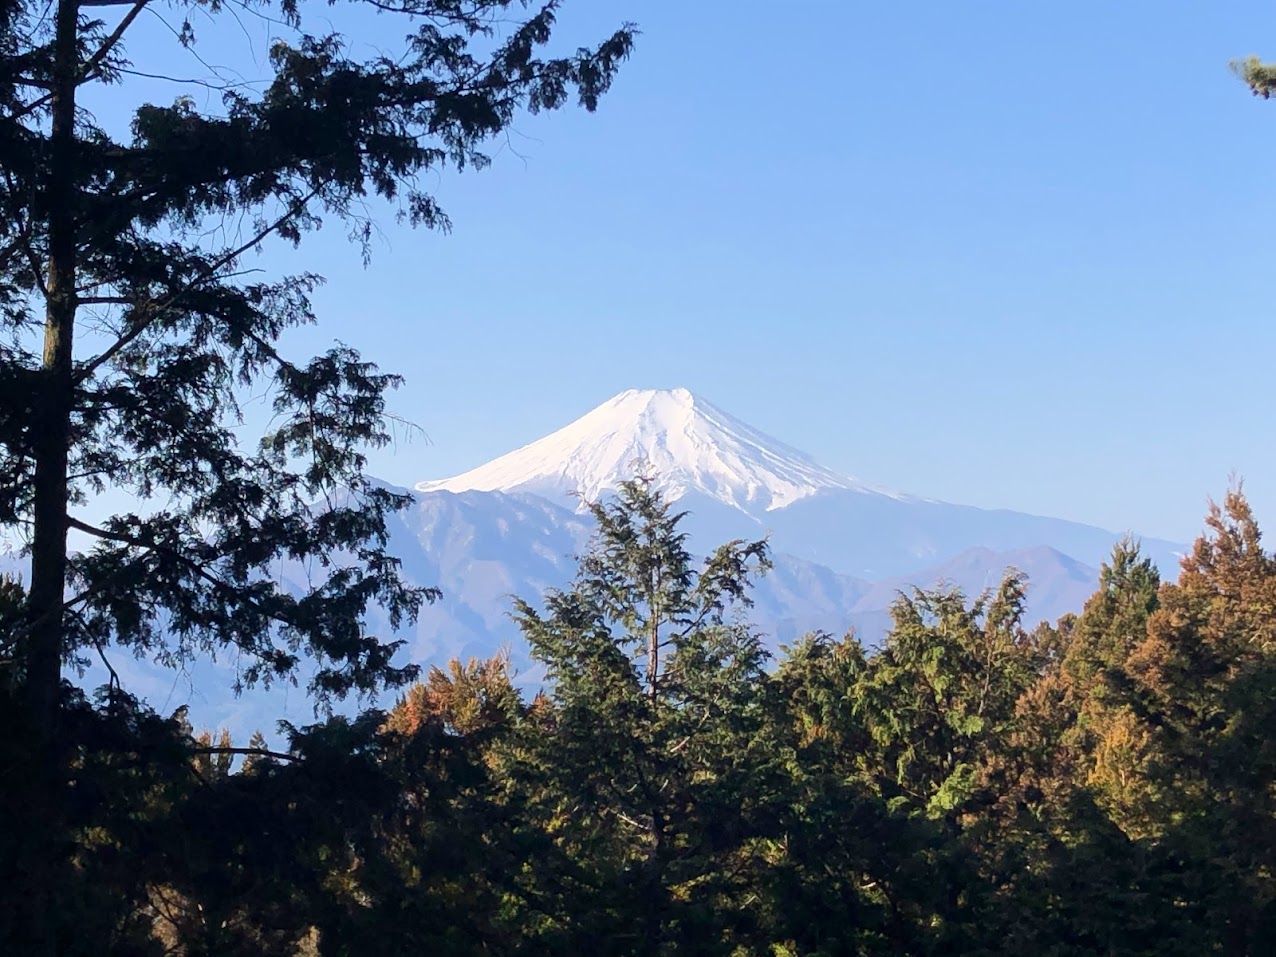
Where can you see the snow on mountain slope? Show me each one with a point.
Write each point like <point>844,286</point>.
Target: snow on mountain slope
<point>736,481</point>
<point>689,444</point>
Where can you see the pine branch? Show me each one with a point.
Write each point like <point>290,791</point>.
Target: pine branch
<point>198,568</point>
<point>68,605</point>
<point>23,240</point>
<point>210,272</point>
<point>90,69</point>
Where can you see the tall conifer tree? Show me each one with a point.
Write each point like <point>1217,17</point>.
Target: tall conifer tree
<point>655,751</point>
<point>136,317</point>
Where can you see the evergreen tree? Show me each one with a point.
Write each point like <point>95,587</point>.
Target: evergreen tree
<point>853,876</point>
<point>941,692</point>
<point>1203,689</point>
<point>1061,876</point>
<point>133,327</point>
<point>951,792</point>
<point>1106,738</point>
<point>653,760</point>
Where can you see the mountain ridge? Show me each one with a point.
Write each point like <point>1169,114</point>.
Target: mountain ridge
<point>721,469</point>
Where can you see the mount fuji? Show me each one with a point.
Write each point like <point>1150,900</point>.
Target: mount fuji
<point>843,548</point>
<point>735,481</point>
<point>688,444</point>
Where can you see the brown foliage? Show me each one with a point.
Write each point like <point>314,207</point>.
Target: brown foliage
<point>468,698</point>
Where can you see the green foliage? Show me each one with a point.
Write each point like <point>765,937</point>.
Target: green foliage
<point>1102,784</point>
<point>941,693</point>
<point>658,703</point>
<point>1260,77</point>
<point>1098,786</point>
<point>185,327</point>
<point>136,319</point>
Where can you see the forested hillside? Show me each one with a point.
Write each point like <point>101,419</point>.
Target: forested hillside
<point>186,483</point>
<point>1098,786</point>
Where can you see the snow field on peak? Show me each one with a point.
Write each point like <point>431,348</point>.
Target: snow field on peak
<point>685,442</point>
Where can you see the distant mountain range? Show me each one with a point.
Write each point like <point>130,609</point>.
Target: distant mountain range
<point>481,548</point>
<point>843,548</point>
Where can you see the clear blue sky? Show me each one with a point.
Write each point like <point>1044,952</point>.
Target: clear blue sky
<point>1012,254</point>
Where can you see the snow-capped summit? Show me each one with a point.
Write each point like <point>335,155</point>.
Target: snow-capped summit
<point>688,444</point>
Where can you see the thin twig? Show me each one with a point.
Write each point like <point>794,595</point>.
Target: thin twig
<point>91,65</point>
<point>257,752</point>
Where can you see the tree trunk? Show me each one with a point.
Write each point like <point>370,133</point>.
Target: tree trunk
<point>50,437</point>
<point>653,640</point>
<point>653,661</point>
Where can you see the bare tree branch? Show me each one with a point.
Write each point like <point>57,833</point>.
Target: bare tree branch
<point>91,65</point>
<point>256,752</point>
